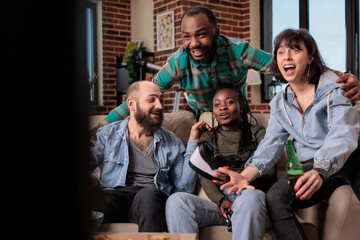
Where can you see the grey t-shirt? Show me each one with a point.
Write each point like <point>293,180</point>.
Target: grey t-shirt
<point>142,165</point>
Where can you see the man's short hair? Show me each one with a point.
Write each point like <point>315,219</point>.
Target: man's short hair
<point>133,90</point>
<point>195,10</point>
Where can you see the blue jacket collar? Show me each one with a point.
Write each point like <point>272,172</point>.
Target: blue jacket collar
<point>326,84</point>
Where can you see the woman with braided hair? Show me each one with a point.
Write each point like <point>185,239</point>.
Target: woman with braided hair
<point>236,137</point>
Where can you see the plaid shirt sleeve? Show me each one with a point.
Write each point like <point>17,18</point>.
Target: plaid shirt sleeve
<point>168,74</point>
<point>251,57</point>
<point>118,113</point>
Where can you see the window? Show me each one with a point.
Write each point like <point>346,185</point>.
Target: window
<point>334,25</point>
<point>94,51</point>
<point>90,53</point>
<point>281,11</point>
<point>327,26</point>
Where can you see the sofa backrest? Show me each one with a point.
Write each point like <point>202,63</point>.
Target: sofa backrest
<point>179,123</point>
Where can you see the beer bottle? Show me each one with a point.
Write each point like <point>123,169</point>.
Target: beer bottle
<point>293,166</point>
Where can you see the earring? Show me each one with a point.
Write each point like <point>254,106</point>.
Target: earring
<point>308,71</point>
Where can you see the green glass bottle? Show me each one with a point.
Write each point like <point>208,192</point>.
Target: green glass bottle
<point>293,166</point>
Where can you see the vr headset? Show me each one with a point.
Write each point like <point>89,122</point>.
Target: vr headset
<point>204,163</point>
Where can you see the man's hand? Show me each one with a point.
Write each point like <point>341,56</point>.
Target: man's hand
<point>308,184</point>
<point>237,182</point>
<point>197,129</point>
<point>352,84</point>
<point>225,205</point>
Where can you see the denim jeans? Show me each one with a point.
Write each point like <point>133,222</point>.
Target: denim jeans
<point>282,204</point>
<point>187,213</point>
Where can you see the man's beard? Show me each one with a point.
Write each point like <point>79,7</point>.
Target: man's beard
<point>209,55</point>
<point>143,118</point>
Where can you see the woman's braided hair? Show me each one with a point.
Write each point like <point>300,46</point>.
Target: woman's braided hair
<point>247,141</point>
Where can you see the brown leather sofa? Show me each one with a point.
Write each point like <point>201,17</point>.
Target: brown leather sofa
<point>335,218</point>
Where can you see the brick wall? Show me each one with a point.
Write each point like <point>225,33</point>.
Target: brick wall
<point>116,29</point>
<point>233,20</point>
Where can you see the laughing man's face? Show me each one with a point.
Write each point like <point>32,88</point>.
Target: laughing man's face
<point>199,37</point>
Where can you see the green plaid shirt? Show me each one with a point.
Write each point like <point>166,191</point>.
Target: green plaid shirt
<point>233,59</point>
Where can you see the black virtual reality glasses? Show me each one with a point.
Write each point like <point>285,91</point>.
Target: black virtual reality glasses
<point>204,163</point>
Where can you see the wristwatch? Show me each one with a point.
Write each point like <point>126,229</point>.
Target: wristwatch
<point>323,174</point>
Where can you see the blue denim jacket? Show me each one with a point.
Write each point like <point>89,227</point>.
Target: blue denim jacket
<point>327,132</point>
<point>111,155</point>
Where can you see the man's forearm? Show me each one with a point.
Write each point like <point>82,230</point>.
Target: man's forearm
<point>118,113</point>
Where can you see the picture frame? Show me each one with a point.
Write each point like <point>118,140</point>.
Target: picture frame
<point>130,46</point>
<point>165,31</point>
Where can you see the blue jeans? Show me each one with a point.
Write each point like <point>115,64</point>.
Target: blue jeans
<point>187,213</point>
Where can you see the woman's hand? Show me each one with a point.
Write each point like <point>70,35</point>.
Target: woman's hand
<point>237,182</point>
<point>197,129</point>
<point>308,184</point>
<point>225,205</point>
<point>223,178</point>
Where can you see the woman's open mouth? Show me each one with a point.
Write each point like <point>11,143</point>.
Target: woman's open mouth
<point>224,115</point>
<point>289,68</point>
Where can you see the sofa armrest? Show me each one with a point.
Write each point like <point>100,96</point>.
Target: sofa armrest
<point>342,215</point>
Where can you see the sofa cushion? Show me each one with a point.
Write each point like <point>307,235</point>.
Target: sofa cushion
<point>94,120</point>
<point>179,123</point>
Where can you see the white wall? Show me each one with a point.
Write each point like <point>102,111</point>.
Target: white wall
<point>142,23</point>
<point>255,41</point>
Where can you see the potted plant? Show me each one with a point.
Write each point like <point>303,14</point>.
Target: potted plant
<point>131,65</point>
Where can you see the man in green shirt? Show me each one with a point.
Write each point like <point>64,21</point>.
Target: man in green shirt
<point>208,60</point>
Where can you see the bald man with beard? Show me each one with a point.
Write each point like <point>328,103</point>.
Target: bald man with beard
<point>141,163</point>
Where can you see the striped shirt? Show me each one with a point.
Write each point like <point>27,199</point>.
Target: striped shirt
<point>233,59</point>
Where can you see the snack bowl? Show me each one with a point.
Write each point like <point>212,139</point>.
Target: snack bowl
<point>96,219</point>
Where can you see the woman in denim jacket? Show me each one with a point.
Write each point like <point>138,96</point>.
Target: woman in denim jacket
<point>325,127</point>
